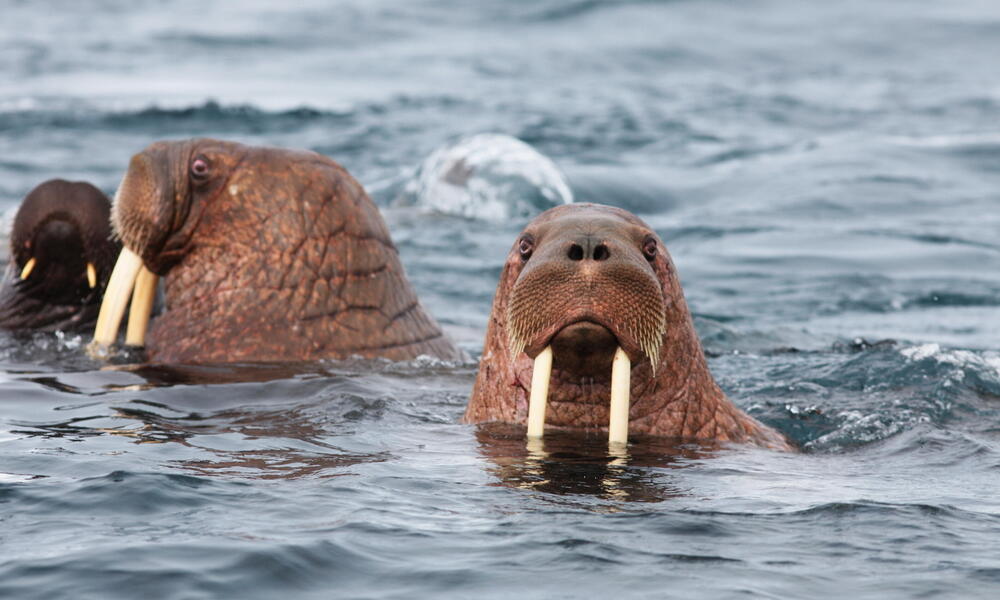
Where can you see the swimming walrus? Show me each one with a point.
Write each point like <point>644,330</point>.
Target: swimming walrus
<point>267,255</point>
<point>586,287</point>
<point>61,255</point>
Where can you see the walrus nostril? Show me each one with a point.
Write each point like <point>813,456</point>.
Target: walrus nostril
<point>575,252</point>
<point>601,252</point>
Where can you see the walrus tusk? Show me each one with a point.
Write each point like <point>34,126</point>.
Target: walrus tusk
<point>142,307</point>
<point>116,297</point>
<point>91,275</point>
<point>620,383</point>
<point>539,393</point>
<point>28,268</point>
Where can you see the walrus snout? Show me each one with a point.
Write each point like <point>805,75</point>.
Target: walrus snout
<point>143,207</point>
<point>589,273</point>
<point>148,208</point>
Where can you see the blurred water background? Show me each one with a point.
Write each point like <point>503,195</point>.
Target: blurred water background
<point>825,174</point>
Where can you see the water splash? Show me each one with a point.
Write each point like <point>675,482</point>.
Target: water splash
<point>487,176</point>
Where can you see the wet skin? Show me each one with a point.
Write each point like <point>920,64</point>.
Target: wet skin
<point>587,279</point>
<point>267,255</point>
<point>61,256</point>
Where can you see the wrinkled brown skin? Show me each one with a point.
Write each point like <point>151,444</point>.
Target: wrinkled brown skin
<point>271,255</point>
<point>63,225</point>
<point>677,397</point>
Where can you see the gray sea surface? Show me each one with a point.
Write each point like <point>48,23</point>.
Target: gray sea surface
<point>826,176</point>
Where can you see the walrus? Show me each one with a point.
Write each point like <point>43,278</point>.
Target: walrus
<point>266,255</point>
<point>61,255</point>
<point>589,306</point>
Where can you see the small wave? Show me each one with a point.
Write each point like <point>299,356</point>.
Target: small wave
<point>208,117</point>
<point>488,176</point>
<point>948,142</point>
<point>44,349</point>
<point>547,12</point>
<point>135,493</point>
<point>983,364</point>
<point>830,402</point>
<point>638,189</point>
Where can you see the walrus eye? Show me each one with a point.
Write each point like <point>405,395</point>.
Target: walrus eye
<point>199,168</point>
<point>525,246</point>
<point>649,248</point>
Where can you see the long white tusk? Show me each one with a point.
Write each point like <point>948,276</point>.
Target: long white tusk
<point>142,307</point>
<point>620,382</point>
<point>539,393</point>
<point>28,268</point>
<point>91,275</point>
<point>116,297</point>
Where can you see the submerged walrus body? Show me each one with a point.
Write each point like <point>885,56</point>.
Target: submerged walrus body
<point>266,254</point>
<point>61,257</point>
<point>586,286</point>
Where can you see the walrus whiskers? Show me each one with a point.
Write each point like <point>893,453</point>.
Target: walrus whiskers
<point>116,298</point>
<point>540,377</point>
<point>620,382</point>
<point>142,307</point>
<point>91,275</point>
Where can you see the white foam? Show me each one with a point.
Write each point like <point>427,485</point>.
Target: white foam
<point>488,176</point>
<point>988,363</point>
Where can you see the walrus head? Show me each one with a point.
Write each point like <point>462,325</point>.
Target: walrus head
<point>588,283</point>
<point>267,255</point>
<point>589,314</point>
<point>62,252</point>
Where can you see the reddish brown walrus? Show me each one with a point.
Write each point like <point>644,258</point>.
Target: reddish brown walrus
<point>267,255</point>
<point>586,280</point>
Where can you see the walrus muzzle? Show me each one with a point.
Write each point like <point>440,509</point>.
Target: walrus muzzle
<point>587,312</point>
<point>131,279</point>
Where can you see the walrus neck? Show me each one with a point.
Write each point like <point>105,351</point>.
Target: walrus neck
<point>680,400</point>
<point>323,302</point>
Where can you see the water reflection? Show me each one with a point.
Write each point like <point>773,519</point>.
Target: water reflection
<point>267,422</point>
<point>156,375</point>
<point>567,464</point>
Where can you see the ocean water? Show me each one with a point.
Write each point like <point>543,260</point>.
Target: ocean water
<point>826,176</point>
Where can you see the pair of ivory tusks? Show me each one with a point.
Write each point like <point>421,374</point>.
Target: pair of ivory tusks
<point>129,274</point>
<point>91,271</point>
<point>620,377</point>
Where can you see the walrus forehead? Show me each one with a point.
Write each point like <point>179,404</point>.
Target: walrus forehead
<point>79,203</point>
<point>170,161</point>
<point>588,211</point>
<point>604,222</point>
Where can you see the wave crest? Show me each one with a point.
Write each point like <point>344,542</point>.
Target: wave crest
<point>487,176</point>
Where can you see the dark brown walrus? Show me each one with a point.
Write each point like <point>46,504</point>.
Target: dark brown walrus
<point>586,280</point>
<point>61,257</point>
<point>267,255</point>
